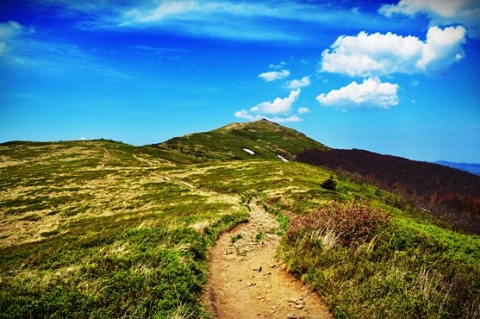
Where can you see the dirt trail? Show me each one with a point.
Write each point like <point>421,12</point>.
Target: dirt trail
<point>246,281</point>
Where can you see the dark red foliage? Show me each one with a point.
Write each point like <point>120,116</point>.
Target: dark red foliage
<point>451,194</point>
<point>352,223</point>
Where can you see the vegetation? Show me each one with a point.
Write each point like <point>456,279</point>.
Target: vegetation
<point>98,228</point>
<point>267,140</point>
<point>370,264</point>
<point>450,194</point>
<point>329,184</point>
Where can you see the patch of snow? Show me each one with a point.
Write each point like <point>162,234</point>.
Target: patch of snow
<point>249,151</point>
<point>282,158</point>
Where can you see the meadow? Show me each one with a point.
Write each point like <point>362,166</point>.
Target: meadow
<point>101,229</point>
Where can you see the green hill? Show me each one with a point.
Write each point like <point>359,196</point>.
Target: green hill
<point>101,229</point>
<point>260,139</point>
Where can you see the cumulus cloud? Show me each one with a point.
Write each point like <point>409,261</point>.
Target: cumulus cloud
<point>442,48</point>
<point>274,75</point>
<point>244,114</point>
<point>383,54</point>
<point>441,12</point>
<point>278,110</point>
<point>295,84</point>
<point>372,93</point>
<point>278,105</point>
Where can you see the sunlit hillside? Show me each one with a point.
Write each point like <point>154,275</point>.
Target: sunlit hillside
<point>101,229</point>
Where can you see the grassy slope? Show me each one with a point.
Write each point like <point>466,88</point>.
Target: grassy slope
<point>99,229</point>
<point>266,139</point>
<point>103,229</point>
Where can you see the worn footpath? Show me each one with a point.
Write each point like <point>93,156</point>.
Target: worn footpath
<point>246,281</point>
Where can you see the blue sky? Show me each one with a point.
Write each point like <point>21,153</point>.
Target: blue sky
<point>393,77</point>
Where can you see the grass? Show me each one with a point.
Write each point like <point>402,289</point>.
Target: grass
<point>104,237</point>
<point>236,238</point>
<point>265,139</point>
<point>401,268</point>
<point>124,270</point>
<point>93,229</point>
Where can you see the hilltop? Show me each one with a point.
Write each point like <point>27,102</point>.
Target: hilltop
<point>237,141</point>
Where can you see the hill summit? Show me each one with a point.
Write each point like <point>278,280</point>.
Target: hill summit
<point>259,139</point>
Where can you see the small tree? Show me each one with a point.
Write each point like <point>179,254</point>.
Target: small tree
<point>329,184</point>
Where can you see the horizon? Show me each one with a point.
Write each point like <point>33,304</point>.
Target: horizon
<point>390,77</point>
<point>441,162</point>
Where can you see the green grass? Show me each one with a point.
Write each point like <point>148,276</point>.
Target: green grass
<point>265,139</point>
<point>113,269</point>
<point>236,238</point>
<point>113,233</point>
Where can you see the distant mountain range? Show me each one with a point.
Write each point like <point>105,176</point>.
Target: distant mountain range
<point>467,167</point>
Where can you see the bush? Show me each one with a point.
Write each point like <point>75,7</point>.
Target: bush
<point>329,184</point>
<point>366,264</point>
<point>349,223</point>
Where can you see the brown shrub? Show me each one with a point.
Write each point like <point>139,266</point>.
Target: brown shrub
<point>351,223</point>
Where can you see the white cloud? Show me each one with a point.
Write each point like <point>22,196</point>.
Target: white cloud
<point>278,119</point>
<point>21,48</point>
<point>382,54</point>
<point>372,93</point>
<point>10,32</point>
<point>220,19</point>
<point>279,110</point>
<point>303,110</point>
<point>441,12</point>
<point>194,10</point>
<point>442,48</point>
<point>278,105</point>
<point>279,66</point>
<point>10,29</point>
<point>244,114</point>
<point>230,19</point>
<point>274,75</point>
<point>295,84</point>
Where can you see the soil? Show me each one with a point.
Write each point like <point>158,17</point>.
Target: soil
<point>247,281</point>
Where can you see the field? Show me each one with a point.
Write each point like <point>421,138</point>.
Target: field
<point>101,229</point>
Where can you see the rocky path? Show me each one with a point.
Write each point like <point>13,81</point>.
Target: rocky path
<point>246,281</point>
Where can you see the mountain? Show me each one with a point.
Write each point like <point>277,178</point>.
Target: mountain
<point>419,177</point>
<point>467,167</point>
<point>102,229</point>
<point>450,194</point>
<point>238,141</point>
